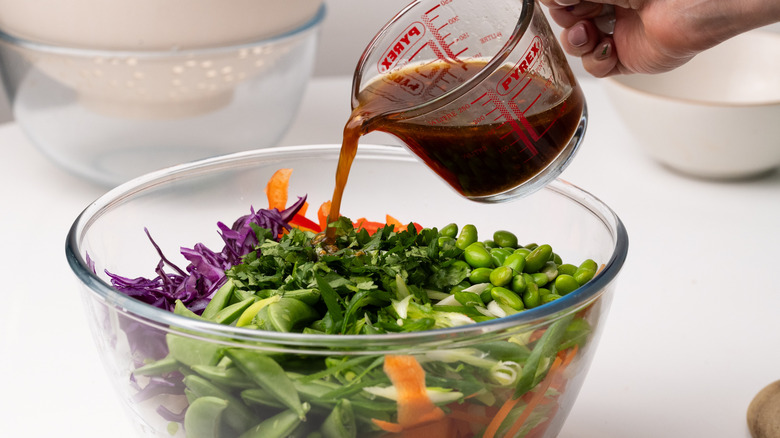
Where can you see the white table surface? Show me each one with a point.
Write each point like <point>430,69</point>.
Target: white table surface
<point>692,336</point>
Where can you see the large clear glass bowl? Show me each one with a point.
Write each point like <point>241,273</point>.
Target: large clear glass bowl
<point>112,115</point>
<point>180,206</point>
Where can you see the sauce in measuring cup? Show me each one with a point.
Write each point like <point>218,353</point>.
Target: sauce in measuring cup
<point>494,126</point>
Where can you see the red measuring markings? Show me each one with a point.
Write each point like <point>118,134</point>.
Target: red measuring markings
<point>521,69</point>
<point>402,44</point>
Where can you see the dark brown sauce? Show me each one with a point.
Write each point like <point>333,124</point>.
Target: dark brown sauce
<point>478,157</point>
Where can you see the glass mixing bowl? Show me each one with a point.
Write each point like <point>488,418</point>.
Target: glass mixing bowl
<point>168,367</point>
<point>111,115</point>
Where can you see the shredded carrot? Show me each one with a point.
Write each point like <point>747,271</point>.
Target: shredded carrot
<point>322,214</point>
<point>276,189</point>
<point>538,396</point>
<point>388,426</point>
<point>408,377</point>
<point>418,416</point>
<point>492,428</point>
<point>397,225</point>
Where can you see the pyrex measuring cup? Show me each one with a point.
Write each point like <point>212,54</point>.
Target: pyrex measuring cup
<point>479,90</point>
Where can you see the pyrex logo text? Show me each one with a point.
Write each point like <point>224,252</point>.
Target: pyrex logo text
<point>514,77</point>
<point>407,39</point>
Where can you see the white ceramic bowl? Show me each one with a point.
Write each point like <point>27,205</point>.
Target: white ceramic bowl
<point>717,116</point>
<point>152,24</point>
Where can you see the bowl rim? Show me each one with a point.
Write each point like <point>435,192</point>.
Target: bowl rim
<point>618,81</point>
<point>312,23</point>
<point>171,322</point>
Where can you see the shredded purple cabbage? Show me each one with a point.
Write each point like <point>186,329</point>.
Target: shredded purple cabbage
<point>205,274</point>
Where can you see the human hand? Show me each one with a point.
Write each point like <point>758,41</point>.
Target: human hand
<point>652,36</point>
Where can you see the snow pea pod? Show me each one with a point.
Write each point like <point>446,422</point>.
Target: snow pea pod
<point>203,418</point>
<point>220,300</point>
<point>191,351</point>
<point>284,314</point>
<point>279,426</point>
<point>541,358</point>
<point>228,376</point>
<point>269,375</point>
<point>341,422</point>
<point>230,313</point>
<point>165,365</point>
<point>260,397</point>
<point>236,414</point>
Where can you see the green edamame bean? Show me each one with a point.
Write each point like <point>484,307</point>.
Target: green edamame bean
<point>531,297</point>
<point>585,271</point>
<point>518,283</point>
<point>544,291</point>
<point>501,276</point>
<point>550,269</point>
<point>516,262</point>
<point>566,268</point>
<point>540,278</point>
<point>480,275</point>
<point>532,246</point>
<point>565,284</point>
<point>485,294</point>
<point>505,239</point>
<point>523,251</point>
<point>449,230</point>
<point>556,259</point>
<point>549,298</point>
<point>506,297</point>
<point>468,235</point>
<point>203,418</point>
<point>537,258</point>
<point>489,243</point>
<point>477,256</point>
<point>445,242</point>
<point>499,255</point>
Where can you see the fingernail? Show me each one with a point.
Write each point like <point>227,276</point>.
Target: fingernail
<point>578,36</point>
<point>603,51</point>
<point>567,2</point>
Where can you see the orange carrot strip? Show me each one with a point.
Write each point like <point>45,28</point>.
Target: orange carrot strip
<point>492,428</point>
<point>538,396</point>
<point>276,189</point>
<point>303,209</point>
<point>397,225</point>
<point>388,426</point>
<point>322,214</point>
<point>408,377</point>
